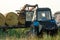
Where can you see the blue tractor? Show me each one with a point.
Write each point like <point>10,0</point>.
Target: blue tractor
<point>44,16</point>
<point>45,19</point>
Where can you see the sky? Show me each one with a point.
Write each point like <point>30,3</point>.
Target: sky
<point>13,5</point>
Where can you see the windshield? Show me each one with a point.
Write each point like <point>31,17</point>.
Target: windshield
<point>44,15</point>
<point>29,16</point>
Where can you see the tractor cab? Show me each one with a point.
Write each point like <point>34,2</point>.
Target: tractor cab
<point>44,16</point>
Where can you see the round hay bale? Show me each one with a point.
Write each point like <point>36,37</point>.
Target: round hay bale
<point>21,19</point>
<point>11,19</point>
<point>57,18</point>
<point>2,20</point>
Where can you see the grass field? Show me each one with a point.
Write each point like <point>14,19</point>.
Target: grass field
<point>20,34</point>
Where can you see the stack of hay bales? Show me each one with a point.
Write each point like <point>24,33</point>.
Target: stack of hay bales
<point>57,18</point>
<point>11,19</point>
<point>2,20</point>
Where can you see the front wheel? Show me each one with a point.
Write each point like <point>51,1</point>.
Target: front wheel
<point>40,34</point>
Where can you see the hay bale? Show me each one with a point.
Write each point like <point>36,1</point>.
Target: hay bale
<point>2,20</point>
<point>57,18</point>
<point>11,19</point>
<point>21,19</point>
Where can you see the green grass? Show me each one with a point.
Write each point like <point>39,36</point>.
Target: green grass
<point>20,34</point>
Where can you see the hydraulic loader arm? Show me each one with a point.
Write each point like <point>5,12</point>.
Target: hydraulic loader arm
<point>27,5</point>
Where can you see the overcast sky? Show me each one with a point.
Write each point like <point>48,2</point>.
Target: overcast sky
<point>12,5</point>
